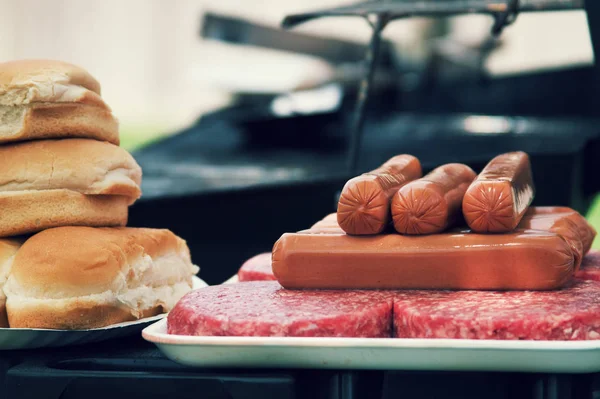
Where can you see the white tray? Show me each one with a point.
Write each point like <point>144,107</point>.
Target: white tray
<point>377,353</point>
<point>31,338</point>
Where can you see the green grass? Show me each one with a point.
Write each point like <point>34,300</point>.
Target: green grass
<point>135,137</point>
<point>593,217</point>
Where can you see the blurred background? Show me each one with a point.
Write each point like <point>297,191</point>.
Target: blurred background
<point>159,75</point>
<point>230,116</point>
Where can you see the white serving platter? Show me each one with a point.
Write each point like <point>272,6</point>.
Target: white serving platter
<point>30,338</point>
<point>377,353</point>
<point>232,280</point>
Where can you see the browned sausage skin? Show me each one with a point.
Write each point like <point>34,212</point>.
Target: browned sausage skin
<point>327,225</point>
<point>433,203</point>
<point>497,200</point>
<point>364,205</point>
<point>556,223</point>
<point>586,230</point>
<point>522,260</point>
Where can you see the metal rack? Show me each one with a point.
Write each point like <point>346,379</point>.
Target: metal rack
<point>379,13</point>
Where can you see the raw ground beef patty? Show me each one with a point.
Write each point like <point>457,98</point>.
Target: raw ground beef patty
<point>257,268</point>
<point>264,308</point>
<point>568,314</point>
<point>590,266</point>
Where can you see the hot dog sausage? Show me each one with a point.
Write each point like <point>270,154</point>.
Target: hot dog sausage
<point>434,202</point>
<point>328,221</point>
<point>529,260</point>
<point>497,200</point>
<point>586,230</point>
<point>327,225</point>
<point>558,223</point>
<point>364,205</point>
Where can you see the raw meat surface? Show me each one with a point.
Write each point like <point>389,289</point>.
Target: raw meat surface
<point>264,308</point>
<point>590,267</point>
<point>568,314</point>
<point>257,268</point>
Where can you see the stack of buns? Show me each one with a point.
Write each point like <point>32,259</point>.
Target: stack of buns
<point>66,259</point>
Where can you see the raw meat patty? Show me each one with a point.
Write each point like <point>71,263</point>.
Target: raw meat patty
<point>257,268</point>
<point>568,314</point>
<point>590,266</point>
<point>264,308</point>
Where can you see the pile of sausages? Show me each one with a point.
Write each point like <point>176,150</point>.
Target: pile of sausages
<point>507,245</point>
<point>493,202</point>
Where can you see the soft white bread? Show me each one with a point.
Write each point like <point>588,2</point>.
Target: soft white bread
<point>84,166</point>
<point>8,249</point>
<point>27,81</point>
<point>51,99</point>
<point>23,212</point>
<point>57,120</point>
<point>79,277</point>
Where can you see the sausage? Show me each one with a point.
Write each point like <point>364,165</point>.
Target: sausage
<point>327,225</point>
<point>586,230</point>
<point>522,260</point>
<point>558,223</point>
<point>497,200</point>
<point>328,221</point>
<point>431,204</point>
<point>364,205</point>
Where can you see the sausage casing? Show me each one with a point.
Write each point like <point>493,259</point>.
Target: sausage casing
<point>364,204</point>
<point>499,197</point>
<point>586,230</point>
<point>327,225</point>
<point>433,203</point>
<point>522,260</point>
<point>559,223</point>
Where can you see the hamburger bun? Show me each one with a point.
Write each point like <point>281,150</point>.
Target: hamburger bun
<point>24,212</point>
<point>28,81</point>
<point>54,120</point>
<point>84,166</point>
<point>81,278</point>
<point>37,99</point>
<point>8,249</point>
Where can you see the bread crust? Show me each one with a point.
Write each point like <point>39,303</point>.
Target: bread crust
<point>3,313</point>
<point>32,72</point>
<point>25,212</point>
<point>59,120</point>
<point>85,166</point>
<point>8,249</point>
<point>73,314</point>
<point>80,277</point>
<point>78,261</point>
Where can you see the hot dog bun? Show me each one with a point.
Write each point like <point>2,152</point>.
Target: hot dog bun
<point>51,99</point>
<point>80,277</point>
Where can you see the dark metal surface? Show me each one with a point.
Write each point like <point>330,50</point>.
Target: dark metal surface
<point>371,57</point>
<point>217,156</point>
<point>131,368</point>
<point>238,31</point>
<point>433,8</point>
